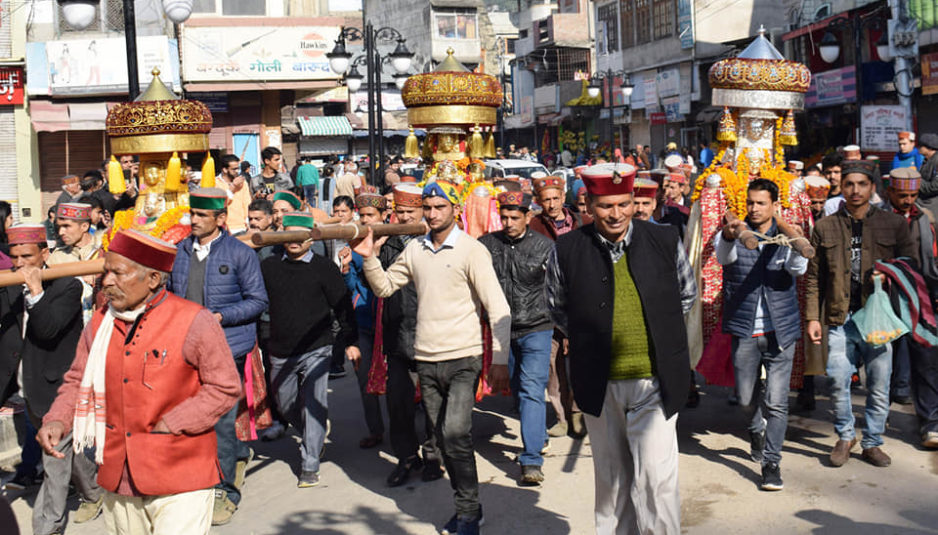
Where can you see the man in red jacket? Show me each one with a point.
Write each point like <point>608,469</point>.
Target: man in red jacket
<point>151,376</point>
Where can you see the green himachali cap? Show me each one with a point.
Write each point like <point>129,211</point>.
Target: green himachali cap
<point>298,219</point>
<point>208,199</point>
<point>289,197</point>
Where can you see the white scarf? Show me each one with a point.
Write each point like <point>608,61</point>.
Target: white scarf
<point>89,423</point>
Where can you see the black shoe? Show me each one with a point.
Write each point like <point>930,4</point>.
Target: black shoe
<point>531,476</point>
<point>771,477</point>
<point>402,471</point>
<point>756,446</point>
<point>902,400</point>
<point>804,403</point>
<point>22,482</point>
<point>452,527</point>
<point>335,372</point>
<point>431,470</point>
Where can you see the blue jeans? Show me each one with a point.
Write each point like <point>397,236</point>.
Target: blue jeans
<point>310,194</point>
<point>230,449</point>
<point>300,388</point>
<point>900,383</point>
<point>529,365</point>
<point>766,408</point>
<point>845,349</point>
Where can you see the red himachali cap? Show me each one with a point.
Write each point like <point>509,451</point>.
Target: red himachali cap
<point>513,198</point>
<point>25,233</point>
<point>74,210</point>
<point>407,194</point>
<point>645,187</point>
<point>609,179</point>
<point>548,182</point>
<point>144,249</point>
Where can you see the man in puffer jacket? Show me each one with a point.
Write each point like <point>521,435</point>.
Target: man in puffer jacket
<point>222,274</point>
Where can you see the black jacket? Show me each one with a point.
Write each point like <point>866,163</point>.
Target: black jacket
<point>521,268</point>
<point>587,271</point>
<point>47,352</point>
<point>399,316</point>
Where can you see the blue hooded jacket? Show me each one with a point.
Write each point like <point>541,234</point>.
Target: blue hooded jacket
<point>234,287</point>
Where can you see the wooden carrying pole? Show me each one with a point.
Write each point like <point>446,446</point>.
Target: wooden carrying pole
<point>796,238</point>
<point>348,231</point>
<point>71,269</point>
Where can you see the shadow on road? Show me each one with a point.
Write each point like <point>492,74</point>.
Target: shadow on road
<point>829,522</point>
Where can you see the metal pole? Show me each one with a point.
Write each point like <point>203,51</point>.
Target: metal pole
<point>379,115</point>
<point>369,64</point>
<point>130,39</point>
<point>858,63</point>
<point>903,68</point>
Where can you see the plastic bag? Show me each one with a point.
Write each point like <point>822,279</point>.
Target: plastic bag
<point>876,321</point>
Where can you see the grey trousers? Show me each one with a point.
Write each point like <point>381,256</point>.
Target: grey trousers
<point>635,461</point>
<point>49,509</point>
<point>300,386</point>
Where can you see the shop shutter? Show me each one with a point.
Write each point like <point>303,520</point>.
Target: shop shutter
<point>9,190</point>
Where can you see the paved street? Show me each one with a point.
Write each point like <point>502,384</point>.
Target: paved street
<point>718,482</point>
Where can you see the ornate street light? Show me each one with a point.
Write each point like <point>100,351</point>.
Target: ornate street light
<point>354,79</point>
<point>79,14</point>
<point>829,48</point>
<point>400,59</point>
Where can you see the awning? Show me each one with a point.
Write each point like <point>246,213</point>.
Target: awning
<point>47,116</point>
<point>325,126</point>
<point>50,116</point>
<point>87,116</point>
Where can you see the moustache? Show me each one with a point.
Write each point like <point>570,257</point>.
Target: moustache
<point>111,293</point>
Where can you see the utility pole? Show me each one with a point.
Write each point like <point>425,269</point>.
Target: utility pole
<point>903,38</point>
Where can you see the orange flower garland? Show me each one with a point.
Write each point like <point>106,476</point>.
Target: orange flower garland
<point>124,220</point>
<point>716,164</point>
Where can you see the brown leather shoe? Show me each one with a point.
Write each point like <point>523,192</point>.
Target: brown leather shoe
<point>841,453</point>
<point>876,457</point>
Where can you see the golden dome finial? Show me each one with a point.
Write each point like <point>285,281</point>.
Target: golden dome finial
<point>157,90</point>
<point>451,64</point>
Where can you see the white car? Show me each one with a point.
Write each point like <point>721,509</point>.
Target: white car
<point>497,169</point>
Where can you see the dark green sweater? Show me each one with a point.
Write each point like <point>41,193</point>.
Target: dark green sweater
<point>630,351</point>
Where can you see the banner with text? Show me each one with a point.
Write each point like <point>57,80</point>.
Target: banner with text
<point>257,53</point>
<point>879,127</point>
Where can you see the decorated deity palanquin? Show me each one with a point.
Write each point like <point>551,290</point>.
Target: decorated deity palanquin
<point>160,128</point>
<point>759,91</point>
<point>455,106</point>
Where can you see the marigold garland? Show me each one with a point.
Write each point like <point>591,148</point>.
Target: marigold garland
<point>124,220</point>
<point>712,168</point>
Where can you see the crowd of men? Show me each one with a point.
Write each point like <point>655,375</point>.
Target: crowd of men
<point>139,383</point>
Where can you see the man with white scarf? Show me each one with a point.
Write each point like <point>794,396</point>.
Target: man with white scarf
<point>151,376</point>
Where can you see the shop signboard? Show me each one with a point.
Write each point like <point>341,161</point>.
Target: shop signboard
<point>257,53</point>
<point>668,82</point>
<point>879,126</point>
<point>930,73</point>
<point>651,93</point>
<point>831,88</point>
<point>98,66</point>
<point>658,118</point>
<point>672,109</point>
<point>685,24</point>
<point>11,86</point>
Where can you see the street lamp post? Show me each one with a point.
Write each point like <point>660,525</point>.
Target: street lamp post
<point>400,60</point>
<point>830,48</point>
<point>79,14</point>
<point>596,87</point>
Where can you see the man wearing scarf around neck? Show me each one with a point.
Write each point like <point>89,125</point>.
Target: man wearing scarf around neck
<point>150,378</point>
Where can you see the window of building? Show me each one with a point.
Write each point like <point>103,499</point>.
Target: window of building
<point>642,21</point>
<point>608,26</point>
<point>230,7</point>
<point>456,24</point>
<point>663,18</point>
<point>627,23</point>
